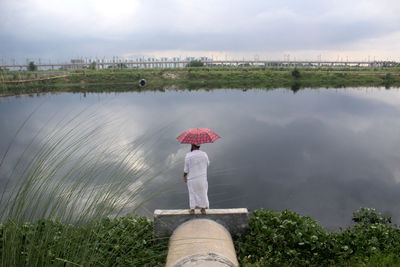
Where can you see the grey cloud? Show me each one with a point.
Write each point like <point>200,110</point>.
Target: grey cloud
<point>172,25</point>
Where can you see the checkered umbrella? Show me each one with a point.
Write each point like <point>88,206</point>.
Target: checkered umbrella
<point>197,136</point>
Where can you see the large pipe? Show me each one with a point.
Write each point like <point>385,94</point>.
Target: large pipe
<point>201,242</point>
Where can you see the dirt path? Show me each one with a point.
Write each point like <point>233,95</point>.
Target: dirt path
<point>34,80</point>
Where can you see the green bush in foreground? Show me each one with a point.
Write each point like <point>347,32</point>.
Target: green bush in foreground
<point>371,235</point>
<point>127,241</point>
<point>283,237</point>
<point>273,239</point>
<point>286,238</point>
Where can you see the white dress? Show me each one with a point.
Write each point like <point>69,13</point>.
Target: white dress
<point>196,163</point>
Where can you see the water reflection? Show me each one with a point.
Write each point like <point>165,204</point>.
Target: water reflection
<point>322,153</point>
<point>295,87</point>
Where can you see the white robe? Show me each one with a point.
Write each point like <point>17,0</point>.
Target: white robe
<point>196,163</point>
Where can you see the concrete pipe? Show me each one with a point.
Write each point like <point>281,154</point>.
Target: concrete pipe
<point>142,82</point>
<point>201,242</point>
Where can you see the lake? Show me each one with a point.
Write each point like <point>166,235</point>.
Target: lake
<point>323,153</point>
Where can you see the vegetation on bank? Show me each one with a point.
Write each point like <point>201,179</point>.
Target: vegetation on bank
<point>273,239</point>
<point>32,66</point>
<point>60,195</point>
<point>286,238</point>
<point>195,63</point>
<point>127,241</point>
<point>192,78</point>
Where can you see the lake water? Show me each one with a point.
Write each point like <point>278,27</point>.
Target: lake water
<point>323,153</point>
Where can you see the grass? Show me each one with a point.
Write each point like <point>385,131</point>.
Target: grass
<point>76,162</point>
<point>203,78</point>
<point>273,239</point>
<point>127,241</point>
<point>65,195</point>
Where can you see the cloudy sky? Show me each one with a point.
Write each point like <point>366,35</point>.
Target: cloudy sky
<point>264,29</point>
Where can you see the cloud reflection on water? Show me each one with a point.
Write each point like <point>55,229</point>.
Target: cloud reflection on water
<point>322,153</point>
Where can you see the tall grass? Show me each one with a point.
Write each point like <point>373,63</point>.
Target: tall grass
<point>66,191</point>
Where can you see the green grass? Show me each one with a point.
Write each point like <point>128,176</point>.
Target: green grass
<point>77,171</point>
<point>65,195</point>
<point>204,78</point>
<point>127,241</point>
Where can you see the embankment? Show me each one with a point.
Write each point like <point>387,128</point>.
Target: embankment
<point>122,80</point>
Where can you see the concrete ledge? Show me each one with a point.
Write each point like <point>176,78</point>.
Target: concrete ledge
<point>234,220</point>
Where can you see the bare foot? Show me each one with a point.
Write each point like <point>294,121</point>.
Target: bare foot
<point>203,211</point>
<point>191,211</point>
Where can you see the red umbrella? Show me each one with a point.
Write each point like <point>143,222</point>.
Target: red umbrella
<point>197,136</point>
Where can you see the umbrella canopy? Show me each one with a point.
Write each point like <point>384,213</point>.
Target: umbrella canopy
<point>197,136</point>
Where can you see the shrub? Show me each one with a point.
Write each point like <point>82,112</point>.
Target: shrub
<point>286,238</point>
<point>371,234</point>
<point>388,80</point>
<point>370,216</point>
<point>195,63</point>
<point>296,73</point>
<point>32,66</point>
<point>283,237</point>
<point>93,65</point>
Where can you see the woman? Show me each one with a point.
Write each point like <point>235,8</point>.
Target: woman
<point>195,175</point>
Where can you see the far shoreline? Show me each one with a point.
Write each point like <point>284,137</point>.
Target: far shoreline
<point>208,78</point>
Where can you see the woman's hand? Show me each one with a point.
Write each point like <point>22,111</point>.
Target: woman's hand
<point>185,177</point>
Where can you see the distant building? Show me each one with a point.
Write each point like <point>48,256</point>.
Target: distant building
<point>176,59</point>
<point>77,61</point>
<point>165,65</point>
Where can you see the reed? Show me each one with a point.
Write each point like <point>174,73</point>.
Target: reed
<point>67,190</point>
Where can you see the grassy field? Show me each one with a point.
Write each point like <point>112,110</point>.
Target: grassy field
<point>116,80</point>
